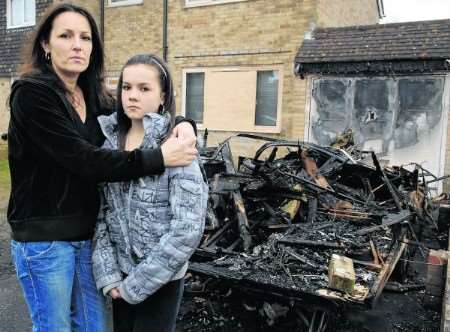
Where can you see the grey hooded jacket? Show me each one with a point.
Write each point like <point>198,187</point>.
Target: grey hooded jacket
<point>148,228</point>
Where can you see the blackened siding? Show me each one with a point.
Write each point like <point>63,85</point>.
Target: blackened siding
<point>11,40</point>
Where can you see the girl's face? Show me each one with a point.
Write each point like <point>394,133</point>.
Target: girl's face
<point>141,91</point>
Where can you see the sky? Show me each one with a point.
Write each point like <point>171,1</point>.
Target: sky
<point>415,10</point>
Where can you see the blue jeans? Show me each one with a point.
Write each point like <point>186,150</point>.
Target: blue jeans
<point>59,288</point>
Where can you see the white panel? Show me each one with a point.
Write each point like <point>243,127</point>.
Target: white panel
<point>29,11</point>
<point>17,12</point>
<point>419,132</point>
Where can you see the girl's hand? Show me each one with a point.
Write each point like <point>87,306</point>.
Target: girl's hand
<point>185,133</point>
<point>178,152</point>
<point>115,294</point>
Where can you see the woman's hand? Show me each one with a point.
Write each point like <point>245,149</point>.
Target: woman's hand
<point>115,293</point>
<point>184,131</point>
<point>177,152</point>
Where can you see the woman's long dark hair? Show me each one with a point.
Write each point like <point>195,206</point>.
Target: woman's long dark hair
<point>165,81</point>
<point>91,81</point>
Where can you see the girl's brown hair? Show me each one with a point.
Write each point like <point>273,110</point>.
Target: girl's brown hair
<point>165,80</point>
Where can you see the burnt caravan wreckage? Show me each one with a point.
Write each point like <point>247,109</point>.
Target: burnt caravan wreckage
<point>274,223</point>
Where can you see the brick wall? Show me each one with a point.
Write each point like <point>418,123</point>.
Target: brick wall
<point>340,13</point>
<point>4,112</point>
<point>270,31</point>
<point>247,33</point>
<point>11,44</point>
<point>11,40</point>
<point>250,33</point>
<point>92,6</point>
<point>130,30</point>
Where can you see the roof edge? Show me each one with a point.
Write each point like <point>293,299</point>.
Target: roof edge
<point>379,67</point>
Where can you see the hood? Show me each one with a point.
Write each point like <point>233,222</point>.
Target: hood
<point>44,80</point>
<point>156,128</point>
<point>47,83</point>
<point>50,81</point>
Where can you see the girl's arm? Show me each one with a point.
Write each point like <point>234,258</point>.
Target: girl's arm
<point>38,115</point>
<point>104,258</point>
<point>188,196</point>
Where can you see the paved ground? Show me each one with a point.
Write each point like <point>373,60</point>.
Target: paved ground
<point>403,312</point>
<point>13,310</point>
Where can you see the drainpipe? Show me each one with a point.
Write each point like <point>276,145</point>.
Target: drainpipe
<point>165,47</point>
<point>380,6</point>
<point>102,20</point>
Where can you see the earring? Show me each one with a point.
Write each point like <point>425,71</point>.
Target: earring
<point>48,57</point>
<point>161,109</point>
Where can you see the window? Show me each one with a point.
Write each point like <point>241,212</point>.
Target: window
<point>372,116</point>
<point>196,3</point>
<point>401,119</point>
<point>111,84</point>
<point>266,98</point>
<point>20,13</point>
<point>117,3</point>
<point>234,99</point>
<point>331,109</point>
<point>194,96</point>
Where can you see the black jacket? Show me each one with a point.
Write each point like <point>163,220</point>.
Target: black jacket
<point>55,163</point>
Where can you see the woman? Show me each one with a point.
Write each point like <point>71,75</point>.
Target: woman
<point>55,163</point>
<point>150,227</point>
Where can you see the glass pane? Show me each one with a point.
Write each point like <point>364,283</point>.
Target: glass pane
<point>420,109</point>
<point>372,117</point>
<point>17,12</point>
<point>331,117</point>
<point>30,8</point>
<point>266,98</point>
<point>421,96</point>
<point>195,96</point>
<point>368,92</point>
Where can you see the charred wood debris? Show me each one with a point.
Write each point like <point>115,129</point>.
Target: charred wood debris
<point>277,221</point>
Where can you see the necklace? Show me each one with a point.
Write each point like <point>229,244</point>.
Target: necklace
<point>76,99</point>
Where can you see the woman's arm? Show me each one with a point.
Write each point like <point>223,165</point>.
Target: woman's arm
<point>188,199</point>
<point>39,116</point>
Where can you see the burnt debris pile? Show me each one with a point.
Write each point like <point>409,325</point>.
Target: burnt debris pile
<point>307,224</point>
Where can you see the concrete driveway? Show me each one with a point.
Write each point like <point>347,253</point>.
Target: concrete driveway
<point>13,310</point>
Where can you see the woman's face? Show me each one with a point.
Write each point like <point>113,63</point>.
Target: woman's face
<point>69,44</point>
<point>141,91</point>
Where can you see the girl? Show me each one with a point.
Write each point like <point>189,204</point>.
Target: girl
<point>151,226</point>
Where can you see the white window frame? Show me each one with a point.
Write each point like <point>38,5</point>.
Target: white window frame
<point>183,96</point>
<point>198,3</point>
<point>111,83</point>
<point>256,128</point>
<point>125,3</point>
<point>9,13</point>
